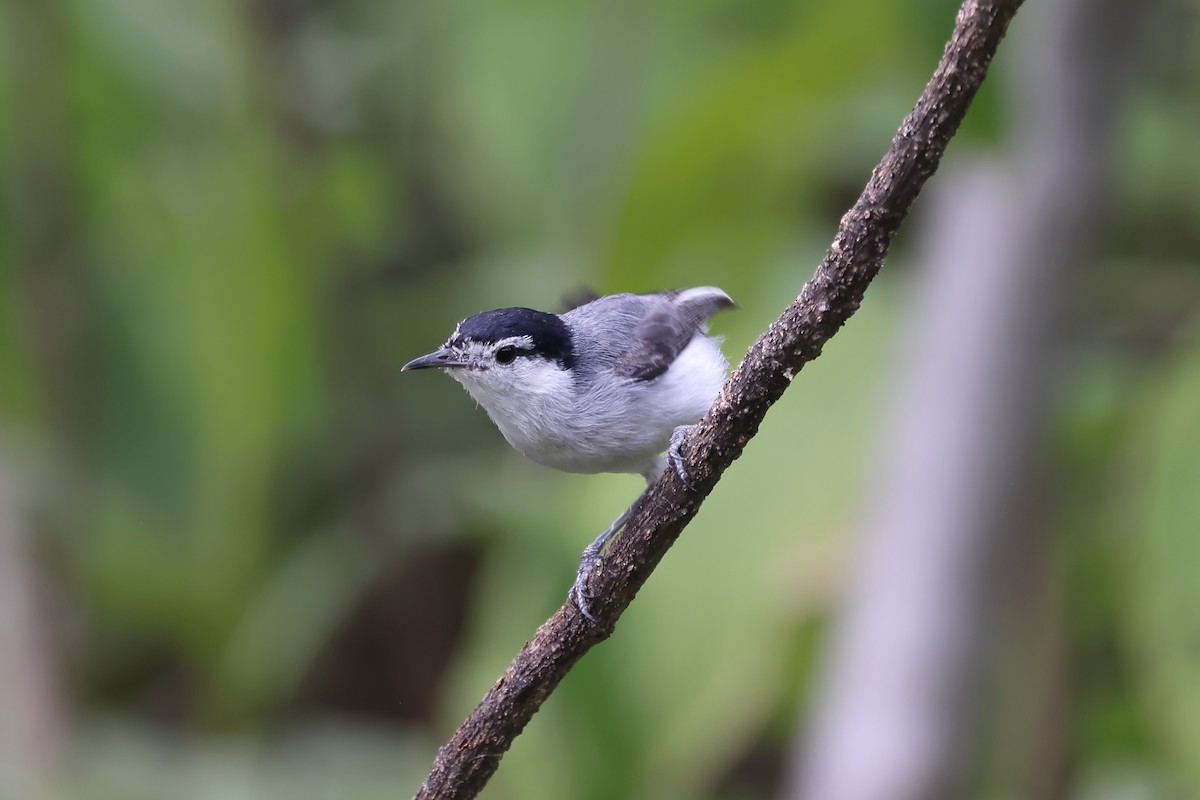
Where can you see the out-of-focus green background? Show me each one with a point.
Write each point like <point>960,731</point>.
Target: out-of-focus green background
<point>263,564</point>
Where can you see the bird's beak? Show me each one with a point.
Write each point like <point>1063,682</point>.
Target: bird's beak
<point>442,358</point>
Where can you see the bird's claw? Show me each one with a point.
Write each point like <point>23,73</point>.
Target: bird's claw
<point>578,596</point>
<point>675,458</point>
<point>578,591</point>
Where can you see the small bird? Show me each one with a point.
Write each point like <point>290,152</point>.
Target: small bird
<point>606,387</point>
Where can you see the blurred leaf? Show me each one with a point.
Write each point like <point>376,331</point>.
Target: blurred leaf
<point>1162,540</point>
<point>328,760</point>
<point>723,173</point>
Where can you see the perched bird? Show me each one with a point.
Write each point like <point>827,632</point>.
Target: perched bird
<point>606,387</point>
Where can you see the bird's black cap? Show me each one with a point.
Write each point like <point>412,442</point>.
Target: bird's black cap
<point>550,335</point>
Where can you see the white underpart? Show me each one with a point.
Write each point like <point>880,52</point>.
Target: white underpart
<point>619,425</point>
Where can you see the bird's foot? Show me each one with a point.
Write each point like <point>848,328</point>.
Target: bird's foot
<point>675,458</point>
<point>578,592</point>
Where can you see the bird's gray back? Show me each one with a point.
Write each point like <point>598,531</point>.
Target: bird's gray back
<point>604,329</point>
<point>639,336</point>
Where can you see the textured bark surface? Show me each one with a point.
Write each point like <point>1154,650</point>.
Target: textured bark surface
<point>465,763</point>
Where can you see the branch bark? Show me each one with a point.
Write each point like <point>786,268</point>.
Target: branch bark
<point>465,763</point>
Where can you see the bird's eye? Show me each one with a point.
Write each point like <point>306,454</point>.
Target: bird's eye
<point>506,355</point>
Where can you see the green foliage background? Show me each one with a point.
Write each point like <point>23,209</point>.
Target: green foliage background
<point>280,570</point>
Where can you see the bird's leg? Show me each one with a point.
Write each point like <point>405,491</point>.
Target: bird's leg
<point>675,458</point>
<point>591,553</point>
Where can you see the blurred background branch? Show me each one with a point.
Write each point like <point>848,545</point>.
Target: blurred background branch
<point>954,535</point>
<point>31,726</point>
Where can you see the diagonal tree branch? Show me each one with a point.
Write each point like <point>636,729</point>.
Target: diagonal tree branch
<point>465,763</point>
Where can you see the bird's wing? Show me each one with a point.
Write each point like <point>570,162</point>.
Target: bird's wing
<point>667,329</point>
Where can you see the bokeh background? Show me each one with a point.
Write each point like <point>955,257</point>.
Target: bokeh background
<point>241,556</point>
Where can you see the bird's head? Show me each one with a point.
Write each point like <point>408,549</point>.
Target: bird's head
<point>502,355</point>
